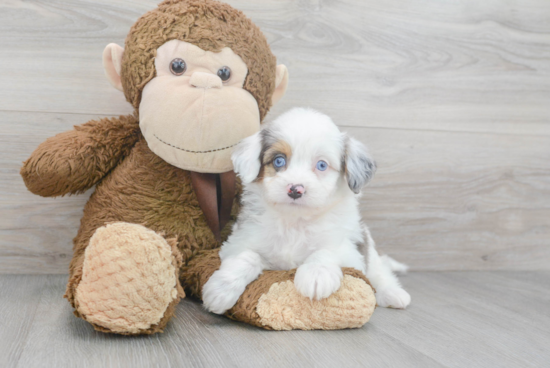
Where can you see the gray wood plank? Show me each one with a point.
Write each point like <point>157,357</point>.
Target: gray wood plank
<point>462,66</point>
<point>472,316</point>
<point>196,338</point>
<point>250,347</point>
<point>458,201</point>
<point>20,296</point>
<point>457,319</point>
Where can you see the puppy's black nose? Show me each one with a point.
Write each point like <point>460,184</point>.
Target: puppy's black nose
<point>296,191</point>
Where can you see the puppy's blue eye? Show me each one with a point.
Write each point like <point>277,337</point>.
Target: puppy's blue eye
<point>322,165</point>
<point>279,162</point>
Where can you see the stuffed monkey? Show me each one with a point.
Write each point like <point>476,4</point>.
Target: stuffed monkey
<point>201,77</point>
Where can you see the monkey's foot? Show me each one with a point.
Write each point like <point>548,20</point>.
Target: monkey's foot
<point>272,301</point>
<point>129,280</point>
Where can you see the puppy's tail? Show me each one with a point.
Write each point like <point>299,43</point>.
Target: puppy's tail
<point>368,249</point>
<point>395,266</point>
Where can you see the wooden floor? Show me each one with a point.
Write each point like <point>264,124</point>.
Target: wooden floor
<point>457,319</point>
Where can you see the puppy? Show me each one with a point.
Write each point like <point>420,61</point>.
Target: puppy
<point>302,178</point>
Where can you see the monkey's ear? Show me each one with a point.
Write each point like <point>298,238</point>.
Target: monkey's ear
<point>281,82</point>
<point>359,165</point>
<point>112,63</point>
<point>246,158</point>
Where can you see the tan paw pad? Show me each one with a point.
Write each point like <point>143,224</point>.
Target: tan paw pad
<point>284,308</point>
<point>128,279</point>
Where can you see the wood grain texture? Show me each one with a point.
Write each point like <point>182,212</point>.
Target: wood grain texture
<point>19,299</point>
<point>457,319</point>
<point>452,98</point>
<point>449,200</point>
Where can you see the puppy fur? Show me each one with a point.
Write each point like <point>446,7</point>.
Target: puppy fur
<point>303,214</point>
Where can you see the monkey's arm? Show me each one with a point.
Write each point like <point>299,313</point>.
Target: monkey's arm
<point>73,161</point>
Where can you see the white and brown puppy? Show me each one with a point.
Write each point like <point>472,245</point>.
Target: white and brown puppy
<point>302,178</point>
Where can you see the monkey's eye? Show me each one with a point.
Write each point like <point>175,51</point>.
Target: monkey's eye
<point>322,165</point>
<point>279,162</point>
<point>224,73</point>
<point>178,66</point>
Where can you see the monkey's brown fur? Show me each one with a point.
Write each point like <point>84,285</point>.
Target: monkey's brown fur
<point>133,184</point>
<point>207,24</point>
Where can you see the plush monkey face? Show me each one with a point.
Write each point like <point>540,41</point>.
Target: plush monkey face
<point>202,77</point>
<point>195,109</point>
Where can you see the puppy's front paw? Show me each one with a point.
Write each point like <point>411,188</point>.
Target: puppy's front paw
<point>317,281</point>
<point>219,294</point>
<point>393,297</point>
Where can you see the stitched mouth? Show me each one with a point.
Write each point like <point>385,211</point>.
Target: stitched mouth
<point>190,151</point>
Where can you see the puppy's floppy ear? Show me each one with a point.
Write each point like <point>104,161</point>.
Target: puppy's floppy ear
<point>359,165</point>
<point>246,158</point>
